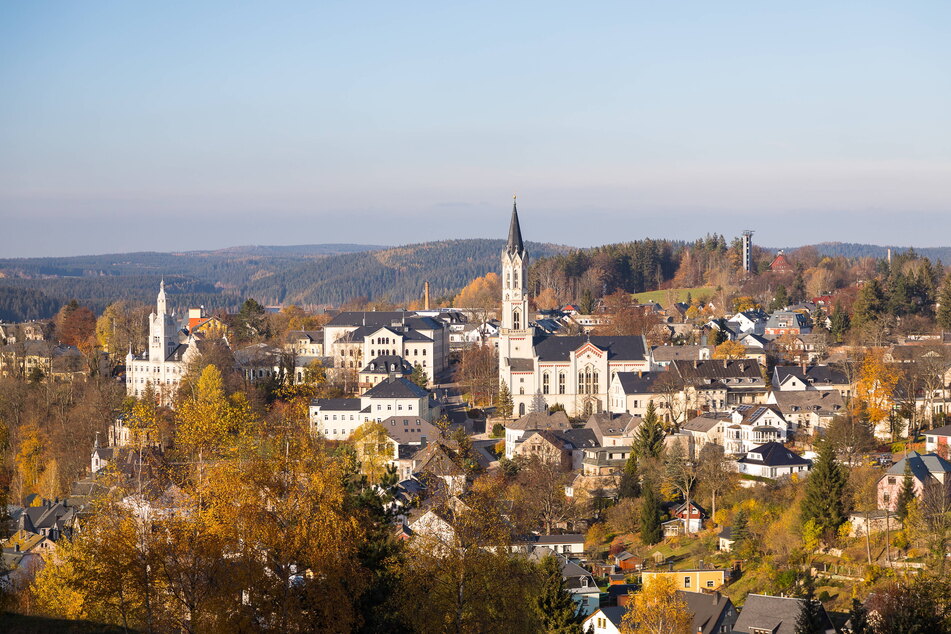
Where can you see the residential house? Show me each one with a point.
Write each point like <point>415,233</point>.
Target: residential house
<point>808,411</point>
<point>613,430</point>
<point>601,469</point>
<point>691,580</point>
<point>605,620</point>
<point>927,470</point>
<point>741,379</point>
<point>749,322</point>
<point>725,539</point>
<point>815,377</point>
<point>706,429</point>
<point>763,614</point>
<point>685,519</point>
<point>787,323</point>
<point>305,343</point>
<point>564,447</point>
<point>752,426</point>
<point>570,545</point>
<point>665,355</point>
<point>938,440</point>
<point>536,421</point>
<point>381,368</point>
<point>632,392</point>
<point>772,460</point>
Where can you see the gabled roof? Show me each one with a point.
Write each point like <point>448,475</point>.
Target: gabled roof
<point>922,465</point>
<point>801,401</point>
<point>541,420</point>
<point>939,431</point>
<point>378,319</point>
<point>718,369</point>
<point>774,455</point>
<point>814,375</point>
<point>637,382</point>
<point>388,363</point>
<point>396,387</point>
<point>337,404</point>
<point>706,421</point>
<point>776,615</point>
<point>687,353</point>
<point>619,348</point>
<point>752,413</point>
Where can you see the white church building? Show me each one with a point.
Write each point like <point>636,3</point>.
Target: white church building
<point>163,363</point>
<point>574,371</point>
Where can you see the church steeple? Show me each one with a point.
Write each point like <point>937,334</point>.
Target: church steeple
<point>514,245</point>
<point>160,300</point>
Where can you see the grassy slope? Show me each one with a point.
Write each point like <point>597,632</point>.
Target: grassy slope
<point>679,294</point>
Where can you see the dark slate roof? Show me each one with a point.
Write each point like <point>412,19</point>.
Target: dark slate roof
<point>296,335</point>
<point>396,387</point>
<point>637,382</point>
<point>379,319</point>
<point>774,614</point>
<point>922,465</point>
<point>689,353</point>
<point>574,538</point>
<point>939,431</point>
<point>385,364</point>
<point>541,420</point>
<point>337,404</point>
<point>619,348</point>
<point>706,421</point>
<point>707,610</point>
<point>614,613</point>
<point>719,369</point>
<point>522,365</point>
<point>814,375</point>
<point>514,245</point>
<point>774,455</point>
<point>579,438</point>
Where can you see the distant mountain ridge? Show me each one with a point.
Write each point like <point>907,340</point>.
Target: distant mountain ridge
<point>856,250</point>
<point>309,275</point>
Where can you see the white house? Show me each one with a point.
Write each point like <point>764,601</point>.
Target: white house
<point>772,460</point>
<point>753,425</point>
<point>394,398</point>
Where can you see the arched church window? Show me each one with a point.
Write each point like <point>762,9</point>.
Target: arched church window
<point>521,409</point>
<point>546,381</point>
<point>516,320</point>
<point>561,382</point>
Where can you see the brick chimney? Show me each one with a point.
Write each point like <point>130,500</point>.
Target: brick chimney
<point>425,295</point>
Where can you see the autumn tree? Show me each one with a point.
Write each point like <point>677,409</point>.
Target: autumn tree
<point>876,386</point>
<point>851,435</point>
<point>730,350</point>
<point>659,609</point>
<point>121,327</point>
<point>478,374</point>
<point>370,441</point>
<point>715,474</point>
<point>547,300</point>
<point>482,296</point>
<point>75,324</point>
<point>251,323</point>
<point>210,421</point>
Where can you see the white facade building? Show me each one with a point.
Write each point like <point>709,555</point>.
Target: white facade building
<point>163,364</point>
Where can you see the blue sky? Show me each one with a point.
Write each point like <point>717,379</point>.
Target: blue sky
<point>171,126</point>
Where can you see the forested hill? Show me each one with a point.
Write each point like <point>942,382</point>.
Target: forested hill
<point>312,275</point>
<point>854,250</point>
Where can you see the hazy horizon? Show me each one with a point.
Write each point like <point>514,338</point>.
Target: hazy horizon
<point>184,126</point>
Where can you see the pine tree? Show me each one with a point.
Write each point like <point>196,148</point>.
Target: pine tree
<point>906,494</point>
<point>839,323</point>
<point>649,437</point>
<point>740,530</point>
<point>943,316</point>
<point>630,480</point>
<point>798,291</point>
<point>780,299</point>
<point>556,608</point>
<point>825,492</point>
<point>419,376</point>
<point>858,618</point>
<point>503,403</point>
<point>650,514</point>
<point>810,619</point>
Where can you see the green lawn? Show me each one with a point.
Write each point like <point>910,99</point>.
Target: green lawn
<point>679,294</point>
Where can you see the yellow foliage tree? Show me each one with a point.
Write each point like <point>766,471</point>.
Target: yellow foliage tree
<point>30,457</point>
<point>481,293</point>
<point>373,450</point>
<point>730,350</point>
<point>876,386</point>
<point>209,420</point>
<point>547,300</point>
<point>657,609</point>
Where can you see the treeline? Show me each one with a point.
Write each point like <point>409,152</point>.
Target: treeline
<point>396,275</point>
<point>25,304</point>
<point>854,250</point>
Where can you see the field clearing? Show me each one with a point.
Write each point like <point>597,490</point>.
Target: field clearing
<point>678,294</point>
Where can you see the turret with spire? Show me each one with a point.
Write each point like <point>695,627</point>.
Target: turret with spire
<point>514,245</point>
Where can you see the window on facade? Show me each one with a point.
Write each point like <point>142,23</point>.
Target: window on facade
<point>686,582</point>
<point>561,382</point>
<point>516,320</point>
<point>546,380</point>
<point>709,584</point>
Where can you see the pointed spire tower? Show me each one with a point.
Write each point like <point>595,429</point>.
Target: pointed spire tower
<point>514,278</point>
